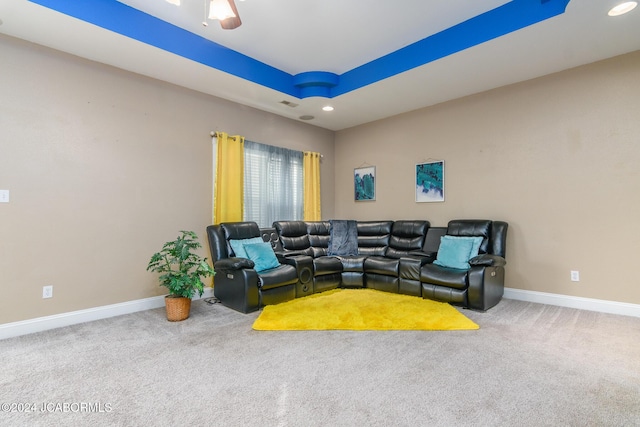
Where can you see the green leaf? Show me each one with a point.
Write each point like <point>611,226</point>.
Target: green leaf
<point>181,269</point>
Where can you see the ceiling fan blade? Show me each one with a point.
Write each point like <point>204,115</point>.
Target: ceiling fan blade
<point>234,22</point>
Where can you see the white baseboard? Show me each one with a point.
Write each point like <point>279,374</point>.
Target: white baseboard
<point>45,323</point>
<point>603,306</point>
<point>40,324</point>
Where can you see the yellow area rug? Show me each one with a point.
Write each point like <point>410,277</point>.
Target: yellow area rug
<point>361,310</point>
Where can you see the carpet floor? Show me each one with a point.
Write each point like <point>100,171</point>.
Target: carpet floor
<point>527,365</point>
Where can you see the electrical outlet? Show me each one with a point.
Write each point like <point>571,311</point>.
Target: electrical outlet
<point>575,276</point>
<point>47,291</point>
<point>4,196</point>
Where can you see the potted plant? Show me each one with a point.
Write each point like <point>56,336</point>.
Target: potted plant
<point>182,272</point>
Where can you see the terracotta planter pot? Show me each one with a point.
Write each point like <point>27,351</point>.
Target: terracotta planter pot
<point>178,308</point>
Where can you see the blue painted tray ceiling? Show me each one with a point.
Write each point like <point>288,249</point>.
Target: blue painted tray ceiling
<point>133,23</point>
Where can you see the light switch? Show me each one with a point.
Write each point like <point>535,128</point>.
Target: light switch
<point>4,196</point>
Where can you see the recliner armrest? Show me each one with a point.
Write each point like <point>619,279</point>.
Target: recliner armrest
<point>487,260</point>
<point>233,264</point>
<point>427,257</point>
<point>291,253</point>
<point>294,259</point>
<point>410,265</point>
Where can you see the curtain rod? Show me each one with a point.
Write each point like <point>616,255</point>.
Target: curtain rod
<point>215,134</point>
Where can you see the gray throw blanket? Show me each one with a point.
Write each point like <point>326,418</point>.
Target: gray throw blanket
<point>343,238</point>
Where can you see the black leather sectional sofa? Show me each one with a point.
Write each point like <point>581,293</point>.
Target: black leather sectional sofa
<point>392,256</point>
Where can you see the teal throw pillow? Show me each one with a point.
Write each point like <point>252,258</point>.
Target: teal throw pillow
<point>238,245</point>
<point>262,255</point>
<point>454,253</point>
<point>477,241</point>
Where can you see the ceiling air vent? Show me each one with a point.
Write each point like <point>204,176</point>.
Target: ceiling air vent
<point>289,104</point>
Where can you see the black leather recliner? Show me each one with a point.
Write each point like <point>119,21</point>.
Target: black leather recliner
<point>305,246</point>
<point>327,269</point>
<point>482,285</point>
<point>398,270</point>
<point>236,284</point>
<point>373,239</point>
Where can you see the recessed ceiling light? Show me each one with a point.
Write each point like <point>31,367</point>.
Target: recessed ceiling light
<point>306,117</point>
<point>623,8</point>
<point>327,108</point>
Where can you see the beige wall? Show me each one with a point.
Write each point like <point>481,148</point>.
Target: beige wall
<point>557,157</point>
<point>103,167</point>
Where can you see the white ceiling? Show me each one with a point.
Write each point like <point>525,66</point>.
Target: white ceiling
<point>297,36</point>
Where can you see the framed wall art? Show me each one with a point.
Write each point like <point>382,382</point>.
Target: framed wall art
<point>364,180</point>
<point>430,181</point>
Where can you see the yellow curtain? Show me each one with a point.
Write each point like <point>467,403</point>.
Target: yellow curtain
<point>311,178</point>
<point>228,197</point>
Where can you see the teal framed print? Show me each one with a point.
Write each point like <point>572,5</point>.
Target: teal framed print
<point>430,181</point>
<point>364,180</point>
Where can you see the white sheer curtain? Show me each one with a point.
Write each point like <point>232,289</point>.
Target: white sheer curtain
<point>272,184</point>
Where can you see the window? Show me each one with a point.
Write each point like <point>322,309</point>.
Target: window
<point>272,184</point>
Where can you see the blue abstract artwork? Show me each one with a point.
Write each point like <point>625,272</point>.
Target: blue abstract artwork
<point>364,180</point>
<point>430,182</point>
